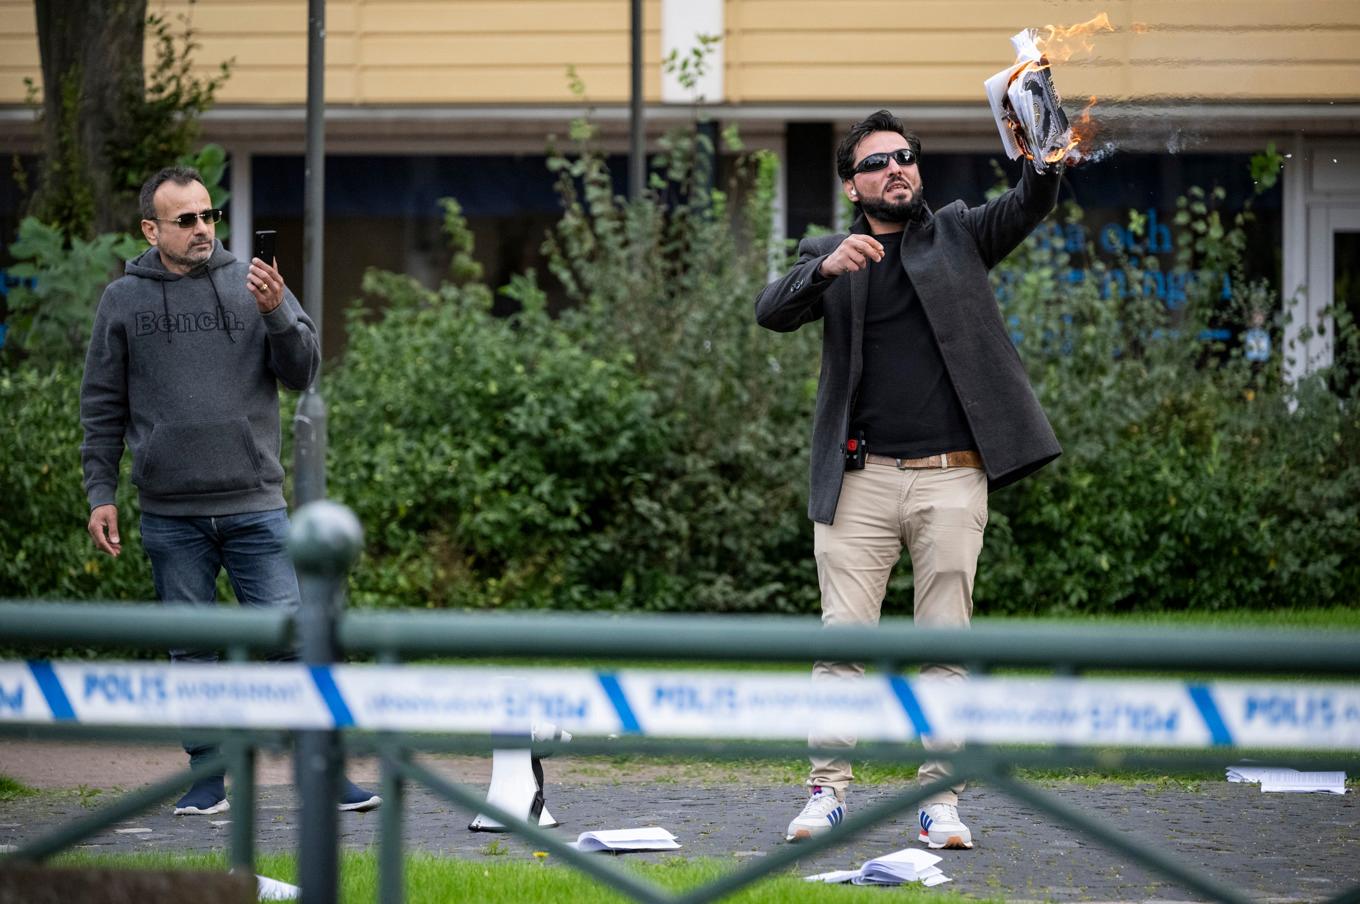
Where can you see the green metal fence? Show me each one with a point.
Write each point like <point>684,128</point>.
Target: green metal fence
<point>324,633</point>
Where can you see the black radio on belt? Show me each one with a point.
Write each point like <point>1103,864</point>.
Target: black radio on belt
<point>854,449</point>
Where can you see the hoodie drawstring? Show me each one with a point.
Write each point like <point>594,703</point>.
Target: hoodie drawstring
<point>221,311</point>
<point>165,303</point>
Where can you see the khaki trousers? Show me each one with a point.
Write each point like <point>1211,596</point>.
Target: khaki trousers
<point>939,515</point>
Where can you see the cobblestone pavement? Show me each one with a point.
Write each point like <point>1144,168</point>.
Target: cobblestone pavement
<point>1275,847</point>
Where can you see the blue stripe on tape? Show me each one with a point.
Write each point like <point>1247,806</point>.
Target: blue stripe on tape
<point>907,698</point>
<point>52,691</point>
<point>1208,710</point>
<point>325,683</point>
<point>610,682</point>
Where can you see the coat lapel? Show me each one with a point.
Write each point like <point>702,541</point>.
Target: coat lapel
<point>859,302</point>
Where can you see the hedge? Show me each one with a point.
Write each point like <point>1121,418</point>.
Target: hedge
<point>646,449</point>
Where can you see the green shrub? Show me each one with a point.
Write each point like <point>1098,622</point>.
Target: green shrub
<point>47,551</point>
<point>647,449</point>
<point>676,284</point>
<point>492,460</point>
<point>50,318</point>
<point>1192,478</point>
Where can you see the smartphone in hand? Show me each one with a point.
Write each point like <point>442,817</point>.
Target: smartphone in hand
<point>264,245</point>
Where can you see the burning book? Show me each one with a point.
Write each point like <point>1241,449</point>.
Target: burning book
<point>1028,111</point>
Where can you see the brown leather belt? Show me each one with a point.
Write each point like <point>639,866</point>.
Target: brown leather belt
<point>966,459</point>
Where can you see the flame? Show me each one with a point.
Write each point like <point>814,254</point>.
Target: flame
<point>1084,130</point>
<point>1061,42</point>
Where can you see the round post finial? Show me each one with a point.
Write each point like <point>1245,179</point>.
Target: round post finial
<point>325,539</point>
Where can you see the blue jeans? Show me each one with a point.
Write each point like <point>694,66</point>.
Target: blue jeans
<point>188,553</point>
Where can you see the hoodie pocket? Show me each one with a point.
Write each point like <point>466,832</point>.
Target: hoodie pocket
<point>190,459</point>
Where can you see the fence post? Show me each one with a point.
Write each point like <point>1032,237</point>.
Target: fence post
<point>325,541</point>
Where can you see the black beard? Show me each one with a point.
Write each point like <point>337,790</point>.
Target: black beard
<point>895,212</point>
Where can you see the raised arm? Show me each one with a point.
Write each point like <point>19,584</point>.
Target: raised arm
<point>1000,225</point>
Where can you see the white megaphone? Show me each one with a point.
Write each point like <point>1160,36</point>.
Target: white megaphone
<point>517,782</point>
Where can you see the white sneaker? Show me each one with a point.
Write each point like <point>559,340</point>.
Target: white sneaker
<point>942,828</point>
<point>824,811</point>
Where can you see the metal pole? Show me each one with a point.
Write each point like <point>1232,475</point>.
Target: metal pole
<point>240,755</point>
<point>391,865</point>
<point>637,136</point>
<point>241,763</point>
<point>325,541</point>
<point>309,424</point>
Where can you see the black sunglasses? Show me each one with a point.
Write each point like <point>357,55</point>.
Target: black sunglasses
<point>874,162</point>
<point>187,220</point>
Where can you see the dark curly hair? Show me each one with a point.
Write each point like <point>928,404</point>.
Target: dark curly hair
<point>882,121</point>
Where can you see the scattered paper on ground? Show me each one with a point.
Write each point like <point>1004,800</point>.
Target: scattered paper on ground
<point>274,890</point>
<point>897,868</point>
<point>1273,778</point>
<point>651,838</point>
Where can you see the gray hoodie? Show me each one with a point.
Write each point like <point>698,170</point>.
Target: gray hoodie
<point>185,370</point>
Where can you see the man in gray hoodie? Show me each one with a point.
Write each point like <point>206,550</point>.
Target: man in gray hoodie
<point>184,363</point>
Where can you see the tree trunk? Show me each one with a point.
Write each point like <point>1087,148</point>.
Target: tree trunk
<point>92,66</point>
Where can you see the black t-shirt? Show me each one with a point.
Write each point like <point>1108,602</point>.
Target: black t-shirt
<point>907,406</point>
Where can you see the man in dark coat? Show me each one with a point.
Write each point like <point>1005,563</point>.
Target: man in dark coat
<point>923,406</point>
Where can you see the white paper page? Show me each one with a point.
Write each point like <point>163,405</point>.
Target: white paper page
<point>1026,52</point>
<point>273,890</point>
<point>915,857</point>
<point>1333,782</point>
<point>833,877</point>
<point>1283,779</point>
<point>649,838</point>
<point>905,865</point>
<point>1249,773</point>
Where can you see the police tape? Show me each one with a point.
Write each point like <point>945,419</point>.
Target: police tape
<point>678,704</point>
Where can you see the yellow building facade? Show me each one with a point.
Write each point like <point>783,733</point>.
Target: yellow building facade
<point>453,52</point>
<point>459,87</point>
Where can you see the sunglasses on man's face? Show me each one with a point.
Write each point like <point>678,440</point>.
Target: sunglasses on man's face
<point>187,220</point>
<point>904,157</point>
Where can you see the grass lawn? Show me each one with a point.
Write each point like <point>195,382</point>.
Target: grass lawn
<point>431,879</point>
<point>1346,618</point>
<point>1331,618</point>
<point>13,790</point>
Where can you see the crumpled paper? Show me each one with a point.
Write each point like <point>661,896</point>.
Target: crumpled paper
<point>1027,108</point>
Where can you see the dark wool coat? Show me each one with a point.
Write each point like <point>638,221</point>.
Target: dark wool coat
<point>947,258</point>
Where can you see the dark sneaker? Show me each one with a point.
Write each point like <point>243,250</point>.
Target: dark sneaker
<point>204,798</point>
<point>357,800</point>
